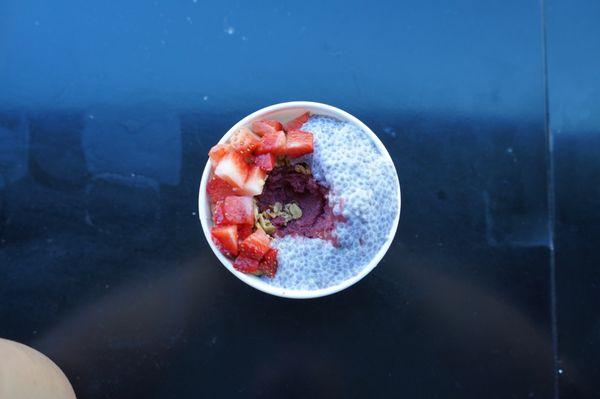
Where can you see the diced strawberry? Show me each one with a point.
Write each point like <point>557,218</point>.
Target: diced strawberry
<point>296,123</point>
<point>299,143</point>
<point>217,189</point>
<point>244,231</point>
<point>245,264</point>
<point>239,210</point>
<point>233,169</point>
<point>268,264</point>
<point>226,238</point>
<point>266,126</point>
<point>273,143</point>
<point>218,213</point>
<point>256,245</point>
<point>219,151</point>
<point>244,141</point>
<point>254,182</point>
<point>265,161</point>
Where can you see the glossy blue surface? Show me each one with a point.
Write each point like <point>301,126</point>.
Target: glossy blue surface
<point>574,98</point>
<point>107,111</point>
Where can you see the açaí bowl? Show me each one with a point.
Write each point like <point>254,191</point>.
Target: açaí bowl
<point>284,112</point>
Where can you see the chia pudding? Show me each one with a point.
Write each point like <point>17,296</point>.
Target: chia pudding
<point>322,209</point>
<point>363,195</point>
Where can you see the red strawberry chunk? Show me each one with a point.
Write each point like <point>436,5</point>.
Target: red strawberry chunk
<point>218,152</point>
<point>244,141</point>
<point>273,143</point>
<point>218,213</point>
<point>226,238</point>
<point>265,161</point>
<point>233,169</point>
<point>254,182</point>
<point>268,264</point>
<point>266,126</point>
<point>245,264</point>
<point>256,245</point>
<point>238,210</point>
<point>217,189</point>
<point>244,231</point>
<point>299,143</point>
<point>297,123</point>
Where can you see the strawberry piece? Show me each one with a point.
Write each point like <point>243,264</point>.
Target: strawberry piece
<point>265,161</point>
<point>244,141</point>
<point>244,231</point>
<point>254,182</point>
<point>245,264</point>
<point>299,143</point>
<point>266,126</point>
<point>218,213</point>
<point>256,245</point>
<point>218,152</point>
<point>273,143</point>
<point>296,123</point>
<point>233,169</point>
<point>217,189</point>
<point>226,238</point>
<point>238,210</point>
<point>268,264</point>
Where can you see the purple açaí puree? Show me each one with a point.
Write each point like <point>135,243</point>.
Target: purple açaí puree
<point>286,185</point>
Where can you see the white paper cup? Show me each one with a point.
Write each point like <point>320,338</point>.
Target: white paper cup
<point>285,112</point>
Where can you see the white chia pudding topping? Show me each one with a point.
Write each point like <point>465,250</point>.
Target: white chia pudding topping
<point>363,189</point>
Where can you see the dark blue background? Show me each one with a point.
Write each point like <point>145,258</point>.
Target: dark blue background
<point>489,109</point>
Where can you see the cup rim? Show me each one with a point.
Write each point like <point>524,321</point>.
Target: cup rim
<point>256,282</point>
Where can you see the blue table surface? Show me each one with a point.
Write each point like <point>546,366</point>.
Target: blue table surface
<point>490,110</point>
